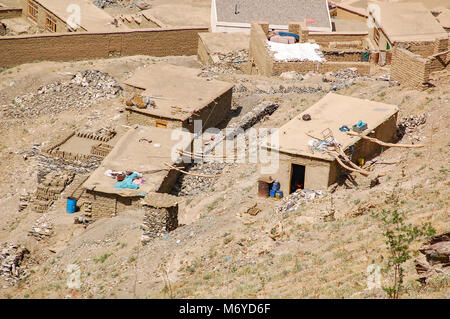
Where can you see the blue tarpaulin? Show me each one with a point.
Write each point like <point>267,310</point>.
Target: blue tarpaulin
<point>128,182</point>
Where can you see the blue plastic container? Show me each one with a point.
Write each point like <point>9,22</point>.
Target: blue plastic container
<point>272,193</point>
<point>71,205</point>
<point>275,186</point>
<point>280,194</point>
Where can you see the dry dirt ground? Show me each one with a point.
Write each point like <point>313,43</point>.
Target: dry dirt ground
<point>219,251</point>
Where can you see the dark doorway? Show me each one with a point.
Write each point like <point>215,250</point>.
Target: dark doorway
<point>297,177</point>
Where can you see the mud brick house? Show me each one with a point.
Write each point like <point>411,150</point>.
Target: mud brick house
<point>144,150</point>
<point>60,16</point>
<point>237,15</point>
<point>406,23</point>
<point>302,167</point>
<point>348,12</point>
<point>180,97</point>
<point>333,51</point>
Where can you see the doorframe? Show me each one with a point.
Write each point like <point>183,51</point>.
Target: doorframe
<point>290,174</point>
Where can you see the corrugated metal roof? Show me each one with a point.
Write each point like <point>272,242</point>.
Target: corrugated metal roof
<point>279,12</point>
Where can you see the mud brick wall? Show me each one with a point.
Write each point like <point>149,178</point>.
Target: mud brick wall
<point>101,149</point>
<point>304,67</point>
<point>409,69</point>
<point>342,55</point>
<point>203,54</point>
<point>96,205</point>
<point>362,67</point>
<point>49,190</point>
<point>258,52</point>
<point>325,38</point>
<point>424,49</point>
<point>212,114</point>
<point>439,62</point>
<point>7,13</point>
<point>17,50</point>
<point>386,132</point>
<point>134,116</point>
<point>345,45</point>
<point>267,66</point>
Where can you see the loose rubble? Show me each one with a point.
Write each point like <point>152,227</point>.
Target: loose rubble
<point>83,90</point>
<point>42,228</point>
<point>410,123</point>
<point>11,259</point>
<point>189,185</point>
<point>293,201</point>
<point>437,258</point>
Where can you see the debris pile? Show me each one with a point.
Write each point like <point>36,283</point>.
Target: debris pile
<point>437,255</point>
<point>33,151</point>
<point>41,229</point>
<point>410,123</point>
<point>259,112</point>
<point>233,57</point>
<point>11,257</point>
<point>189,185</point>
<point>281,89</point>
<point>85,89</point>
<point>342,78</point>
<point>292,202</point>
<point>48,164</point>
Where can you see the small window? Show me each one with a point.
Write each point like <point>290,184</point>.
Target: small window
<point>50,23</point>
<point>32,10</point>
<point>160,123</point>
<point>376,35</point>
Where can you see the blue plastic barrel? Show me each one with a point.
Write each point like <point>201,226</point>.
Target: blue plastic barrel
<point>272,193</point>
<point>275,186</point>
<point>71,205</point>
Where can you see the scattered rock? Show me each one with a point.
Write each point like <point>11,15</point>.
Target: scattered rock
<point>293,201</point>
<point>437,258</point>
<point>85,88</point>
<point>42,228</point>
<point>11,259</point>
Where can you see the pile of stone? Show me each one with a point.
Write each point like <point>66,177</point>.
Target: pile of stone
<point>212,71</point>
<point>437,258</point>
<point>234,57</point>
<point>240,89</point>
<point>281,89</point>
<point>33,151</point>
<point>410,123</point>
<point>49,190</point>
<point>11,258</point>
<point>291,202</point>
<point>49,164</point>
<point>83,90</point>
<point>260,111</point>
<point>345,74</point>
<point>342,78</point>
<point>121,3</point>
<point>43,228</point>
<point>105,3</point>
<point>189,185</point>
